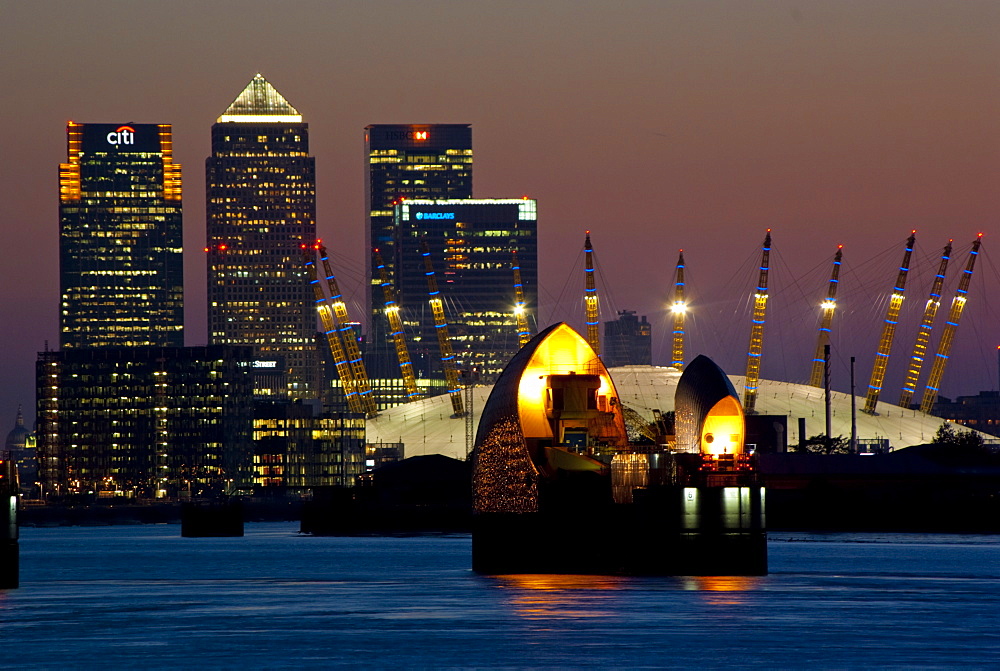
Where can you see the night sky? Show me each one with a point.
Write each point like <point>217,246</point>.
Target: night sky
<point>656,125</point>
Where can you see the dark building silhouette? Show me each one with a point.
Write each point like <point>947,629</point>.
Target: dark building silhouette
<point>980,412</point>
<point>405,161</point>
<point>145,422</point>
<point>471,244</point>
<point>261,195</point>
<point>628,341</point>
<point>120,268</point>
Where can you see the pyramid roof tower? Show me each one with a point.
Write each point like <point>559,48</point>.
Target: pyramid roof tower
<point>260,102</point>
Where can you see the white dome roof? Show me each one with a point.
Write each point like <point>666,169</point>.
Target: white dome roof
<point>426,426</point>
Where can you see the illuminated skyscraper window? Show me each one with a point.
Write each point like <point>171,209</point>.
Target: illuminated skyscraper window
<point>120,265</point>
<point>406,161</point>
<point>261,192</point>
<point>471,243</point>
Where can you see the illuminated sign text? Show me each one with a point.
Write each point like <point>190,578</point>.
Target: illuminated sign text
<point>124,135</point>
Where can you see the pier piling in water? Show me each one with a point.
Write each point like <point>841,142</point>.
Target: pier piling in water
<point>9,549</point>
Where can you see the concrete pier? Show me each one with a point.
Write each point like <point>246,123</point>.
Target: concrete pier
<point>9,549</point>
<point>212,519</point>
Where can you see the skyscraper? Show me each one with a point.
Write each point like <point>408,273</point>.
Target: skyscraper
<point>261,194</point>
<point>471,243</point>
<point>120,264</point>
<point>628,341</point>
<point>406,161</point>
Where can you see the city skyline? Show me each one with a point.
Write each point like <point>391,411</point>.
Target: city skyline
<point>694,125</point>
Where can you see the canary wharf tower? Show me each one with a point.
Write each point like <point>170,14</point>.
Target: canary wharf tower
<point>261,195</point>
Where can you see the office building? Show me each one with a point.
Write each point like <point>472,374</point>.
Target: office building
<point>145,422</point>
<point>980,412</point>
<point>405,161</point>
<point>297,451</point>
<point>471,244</point>
<point>261,196</point>
<point>120,264</point>
<point>628,341</point>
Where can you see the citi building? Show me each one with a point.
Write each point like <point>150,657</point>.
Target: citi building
<point>120,238</point>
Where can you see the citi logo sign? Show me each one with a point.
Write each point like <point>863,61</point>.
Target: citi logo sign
<point>124,135</point>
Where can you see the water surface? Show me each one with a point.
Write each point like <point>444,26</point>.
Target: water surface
<point>124,596</point>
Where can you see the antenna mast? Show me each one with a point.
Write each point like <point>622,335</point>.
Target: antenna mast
<point>828,306</point>
<point>757,330</point>
<point>950,326</point>
<point>590,298</point>
<point>396,326</point>
<point>679,308</point>
<point>924,332</point>
<point>520,312</point>
<point>441,326</point>
<point>889,329</point>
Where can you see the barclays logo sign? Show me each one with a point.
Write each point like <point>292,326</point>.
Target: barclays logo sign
<point>435,215</point>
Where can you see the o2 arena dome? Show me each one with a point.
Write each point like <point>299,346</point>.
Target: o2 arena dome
<point>427,427</point>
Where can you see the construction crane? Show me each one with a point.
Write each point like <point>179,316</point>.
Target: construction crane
<point>950,326</point>
<point>396,326</point>
<point>757,330</point>
<point>354,402</point>
<point>679,308</point>
<point>924,332</point>
<point>828,306</point>
<point>354,360</point>
<point>889,329</point>
<point>590,298</point>
<point>441,326</point>
<point>520,312</point>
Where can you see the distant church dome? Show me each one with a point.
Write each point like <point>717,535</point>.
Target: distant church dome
<point>17,439</point>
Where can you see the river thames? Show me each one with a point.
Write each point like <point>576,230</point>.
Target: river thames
<point>142,596</point>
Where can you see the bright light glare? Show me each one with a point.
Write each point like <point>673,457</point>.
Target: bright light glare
<point>828,305</point>
<point>679,307</point>
<point>519,309</point>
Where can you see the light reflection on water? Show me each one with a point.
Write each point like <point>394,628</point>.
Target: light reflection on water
<point>555,595</point>
<point>109,595</point>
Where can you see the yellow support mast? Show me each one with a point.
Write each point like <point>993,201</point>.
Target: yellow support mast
<point>330,330</point>
<point>520,312</point>
<point>396,326</point>
<point>441,326</point>
<point>757,330</point>
<point>590,298</point>
<point>924,332</point>
<point>889,329</point>
<point>354,360</point>
<point>828,306</point>
<point>679,309</point>
<point>950,326</point>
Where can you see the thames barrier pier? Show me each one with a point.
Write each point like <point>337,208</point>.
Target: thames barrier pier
<point>9,550</point>
<point>558,488</point>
